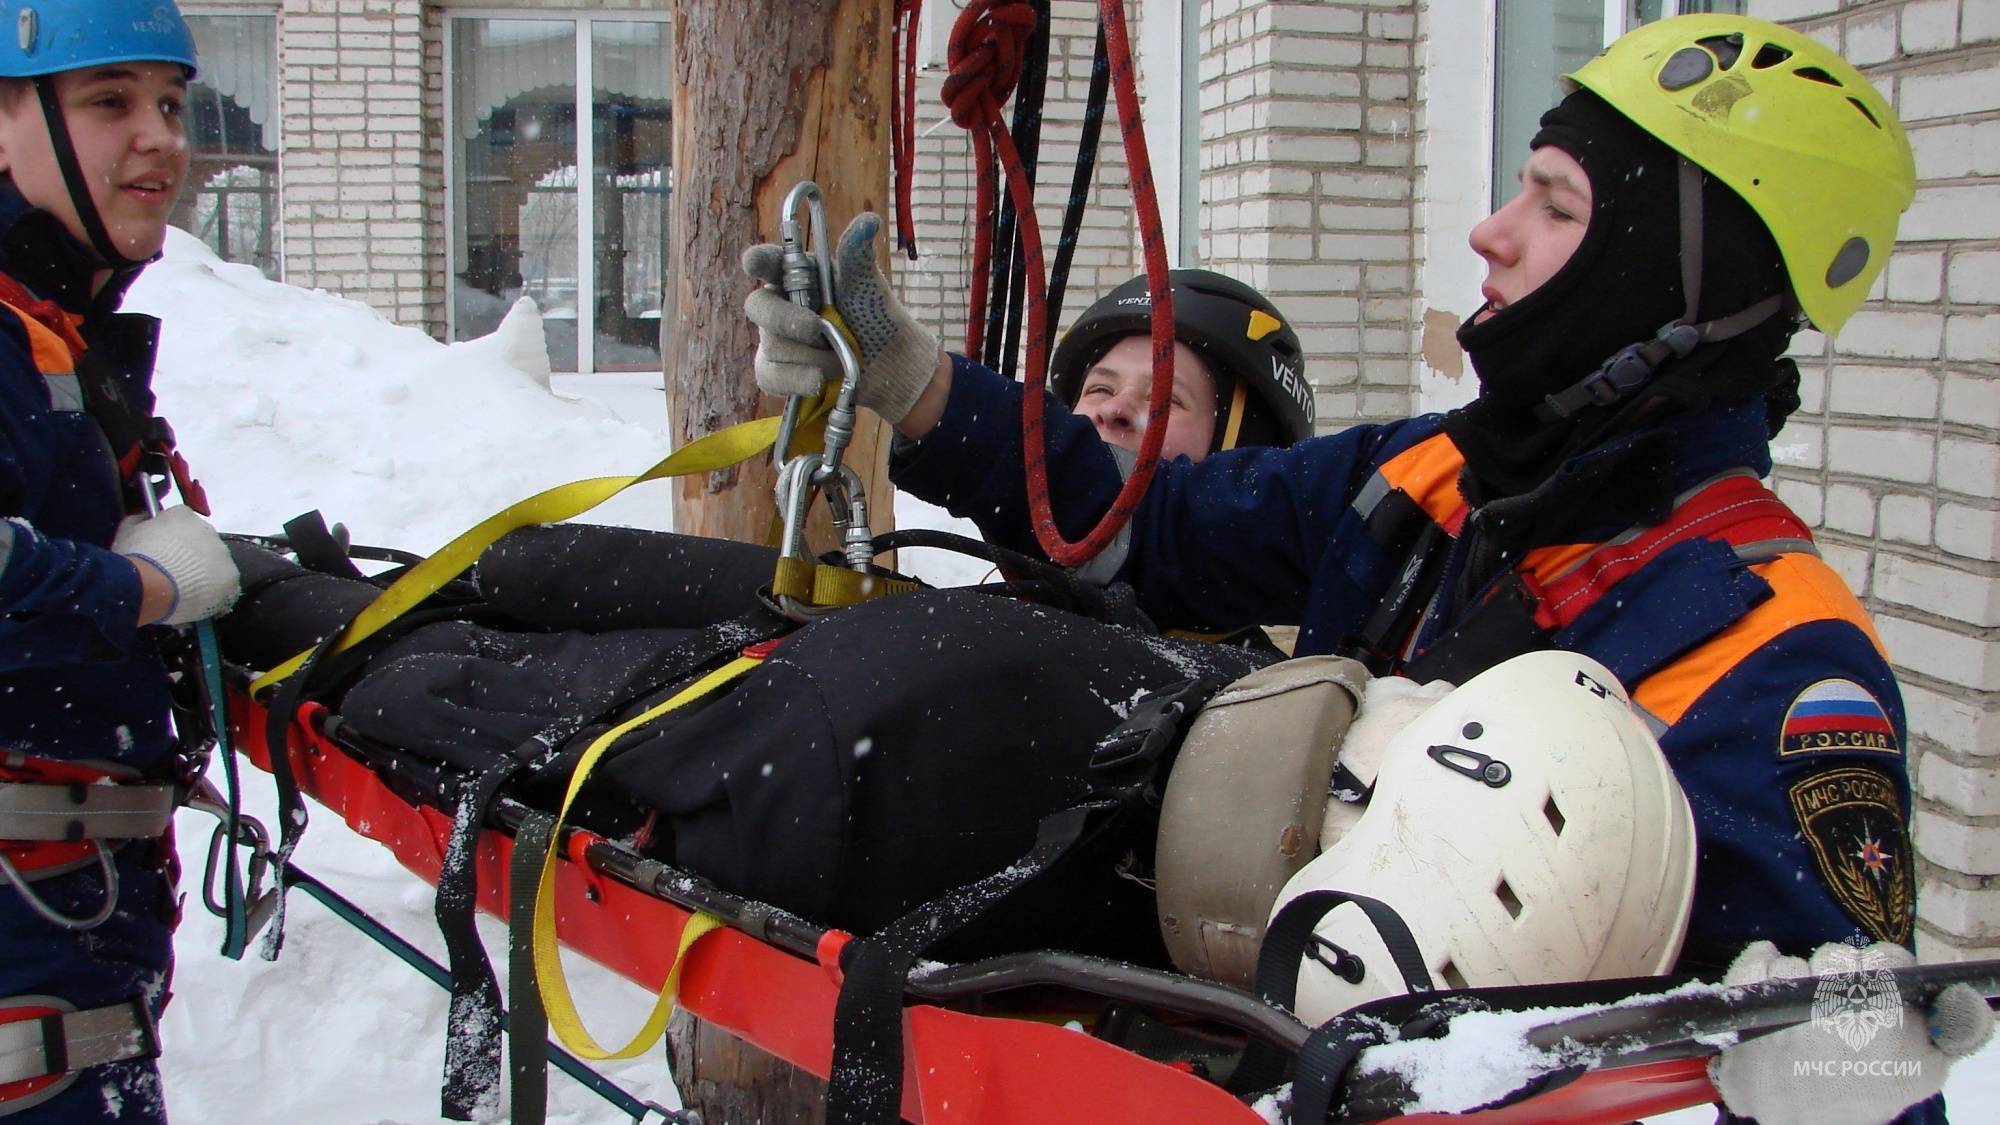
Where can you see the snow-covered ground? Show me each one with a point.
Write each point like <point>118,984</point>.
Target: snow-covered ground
<point>284,400</point>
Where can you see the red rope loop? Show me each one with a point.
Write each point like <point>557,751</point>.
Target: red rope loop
<point>988,47</point>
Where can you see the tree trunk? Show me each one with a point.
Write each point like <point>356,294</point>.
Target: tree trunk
<point>766,93</point>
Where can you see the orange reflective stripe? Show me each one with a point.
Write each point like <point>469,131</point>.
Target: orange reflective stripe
<point>52,355</point>
<point>1427,472</point>
<point>1804,590</point>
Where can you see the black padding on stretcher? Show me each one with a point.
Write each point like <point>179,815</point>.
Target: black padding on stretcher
<point>901,748</point>
<point>591,577</point>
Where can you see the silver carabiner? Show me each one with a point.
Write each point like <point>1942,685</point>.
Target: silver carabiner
<point>808,282</point>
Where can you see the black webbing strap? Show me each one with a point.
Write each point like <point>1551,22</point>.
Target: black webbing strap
<point>527,1023</point>
<point>474,1027</point>
<point>1288,942</point>
<point>473,1023</point>
<point>1009,281</point>
<point>866,1084</point>
<point>73,178</point>
<point>1630,367</point>
<point>316,547</point>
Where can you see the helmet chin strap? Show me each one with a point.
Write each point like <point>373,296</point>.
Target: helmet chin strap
<point>1633,366</point>
<point>72,172</point>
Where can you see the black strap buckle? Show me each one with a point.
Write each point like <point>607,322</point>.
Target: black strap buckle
<point>1132,760</point>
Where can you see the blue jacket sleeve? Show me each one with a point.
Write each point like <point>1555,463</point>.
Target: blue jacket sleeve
<point>64,597</point>
<point>1246,537</point>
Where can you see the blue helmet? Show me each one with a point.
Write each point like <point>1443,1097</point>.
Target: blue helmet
<point>52,36</point>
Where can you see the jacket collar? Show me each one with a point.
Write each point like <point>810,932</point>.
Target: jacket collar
<point>37,251</point>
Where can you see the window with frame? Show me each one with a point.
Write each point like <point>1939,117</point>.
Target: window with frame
<point>231,198</point>
<point>589,249</point>
<point>1539,41</point>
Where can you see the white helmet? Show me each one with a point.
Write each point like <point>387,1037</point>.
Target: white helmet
<point>1526,828</point>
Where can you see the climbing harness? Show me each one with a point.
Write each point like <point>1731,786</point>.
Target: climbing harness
<point>45,1041</point>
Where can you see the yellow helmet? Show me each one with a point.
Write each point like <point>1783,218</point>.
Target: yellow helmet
<point>1789,126</point>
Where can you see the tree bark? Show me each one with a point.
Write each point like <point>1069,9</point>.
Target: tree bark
<point>766,93</point>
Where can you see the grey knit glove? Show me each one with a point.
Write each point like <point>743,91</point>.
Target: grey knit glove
<point>1864,1058</point>
<point>898,355</point>
<point>182,546</point>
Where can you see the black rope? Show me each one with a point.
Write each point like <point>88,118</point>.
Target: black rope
<point>1009,280</point>
<point>1079,186</point>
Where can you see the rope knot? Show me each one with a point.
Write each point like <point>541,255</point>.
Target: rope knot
<point>988,47</point>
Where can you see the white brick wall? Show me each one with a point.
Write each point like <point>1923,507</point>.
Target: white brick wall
<point>1907,493</point>
<point>1314,207</point>
<point>935,286</point>
<point>354,138</point>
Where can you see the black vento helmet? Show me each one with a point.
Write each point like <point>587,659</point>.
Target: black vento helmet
<point>1262,397</point>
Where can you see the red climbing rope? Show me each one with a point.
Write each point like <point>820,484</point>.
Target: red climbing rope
<point>985,57</point>
<point>903,118</point>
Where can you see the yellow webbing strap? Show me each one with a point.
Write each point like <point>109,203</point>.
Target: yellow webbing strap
<point>715,451</point>
<point>822,585</point>
<point>556,999</point>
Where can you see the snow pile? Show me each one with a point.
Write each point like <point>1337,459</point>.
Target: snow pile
<point>286,400</point>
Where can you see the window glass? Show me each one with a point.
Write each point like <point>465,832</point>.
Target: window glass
<point>231,198</point>
<point>632,148</point>
<point>1539,42</point>
<point>590,249</point>
<point>514,207</point>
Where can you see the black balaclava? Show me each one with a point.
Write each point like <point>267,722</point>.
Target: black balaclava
<point>1619,288</point>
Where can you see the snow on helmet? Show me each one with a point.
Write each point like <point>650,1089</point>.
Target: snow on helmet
<point>1262,396</point>
<point>1789,125</point>
<point>52,36</point>
<point>1527,830</point>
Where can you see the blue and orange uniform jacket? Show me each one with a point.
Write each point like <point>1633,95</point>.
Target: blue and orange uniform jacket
<point>1763,678</point>
<point>78,681</point>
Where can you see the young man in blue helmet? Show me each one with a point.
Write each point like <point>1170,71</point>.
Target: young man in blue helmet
<point>1710,182</point>
<point>94,153</point>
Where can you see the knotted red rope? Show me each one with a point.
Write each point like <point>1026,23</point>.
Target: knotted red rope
<point>985,57</point>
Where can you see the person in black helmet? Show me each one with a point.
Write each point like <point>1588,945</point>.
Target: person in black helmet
<point>1709,184</point>
<point>1239,376</point>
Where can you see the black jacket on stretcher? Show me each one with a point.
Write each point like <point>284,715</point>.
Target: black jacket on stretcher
<point>1764,681</point>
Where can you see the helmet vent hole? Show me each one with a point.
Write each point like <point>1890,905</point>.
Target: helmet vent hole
<point>1553,815</point>
<point>1508,898</point>
<point>1769,55</point>
<point>1848,263</point>
<point>1453,979</point>
<point>1815,74</point>
<point>1856,103</point>
<point>1726,48</point>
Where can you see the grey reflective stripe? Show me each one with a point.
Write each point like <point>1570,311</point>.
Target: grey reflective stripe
<point>1370,495</point>
<point>1653,722</point>
<point>66,391</point>
<point>7,534</point>
<point>1764,550</point>
<point>38,811</point>
<point>90,1038</point>
<point>1104,566</point>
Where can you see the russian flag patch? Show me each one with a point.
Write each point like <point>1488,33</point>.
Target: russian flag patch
<point>1836,715</point>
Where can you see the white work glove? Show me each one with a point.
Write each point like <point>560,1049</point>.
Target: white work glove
<point>898,355</point>
<point>1864,1058</point>
<point>182,546</point>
